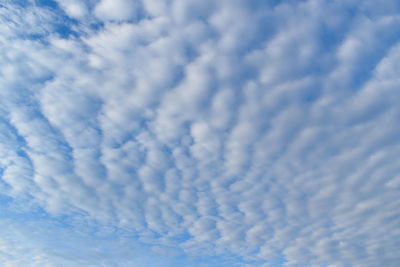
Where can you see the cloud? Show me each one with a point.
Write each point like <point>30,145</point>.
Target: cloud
<point>117,10</point>
<point>257,133</point>
<point>74,8</point>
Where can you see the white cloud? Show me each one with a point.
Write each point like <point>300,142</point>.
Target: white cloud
<point>267,132</point>
<point>117,10</point>
<point>74,8</point>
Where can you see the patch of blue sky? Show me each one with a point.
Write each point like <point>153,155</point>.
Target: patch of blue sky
<point>68,240</point>
<point>47,3</point>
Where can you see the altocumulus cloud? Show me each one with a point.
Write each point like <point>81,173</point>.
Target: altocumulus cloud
<point>199,133</point>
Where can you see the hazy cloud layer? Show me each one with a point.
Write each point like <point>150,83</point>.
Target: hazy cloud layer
<point>262,132</point>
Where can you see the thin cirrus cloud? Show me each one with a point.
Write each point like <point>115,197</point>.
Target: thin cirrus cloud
<point>199,133</point>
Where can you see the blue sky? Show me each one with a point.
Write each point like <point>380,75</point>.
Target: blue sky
<point>199,133</point>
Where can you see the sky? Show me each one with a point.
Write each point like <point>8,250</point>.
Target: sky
<point>191,133</point>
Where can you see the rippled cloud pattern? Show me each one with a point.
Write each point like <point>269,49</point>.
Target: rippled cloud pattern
<point>199,133</point>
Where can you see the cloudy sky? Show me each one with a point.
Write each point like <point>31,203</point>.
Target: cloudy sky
<point>193,133</point>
